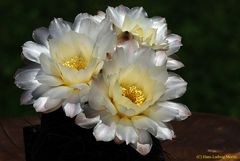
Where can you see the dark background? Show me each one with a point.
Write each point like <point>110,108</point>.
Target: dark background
<point>211,51</point>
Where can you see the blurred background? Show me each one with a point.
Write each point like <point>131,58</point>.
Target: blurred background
<point>211,52</point>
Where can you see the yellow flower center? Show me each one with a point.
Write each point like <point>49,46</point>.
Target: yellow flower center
<point>135,94</point>
<point>76,62</point>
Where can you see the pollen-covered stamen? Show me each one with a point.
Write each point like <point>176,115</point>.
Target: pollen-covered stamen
<point>76,62</point>
<point>135,94</point>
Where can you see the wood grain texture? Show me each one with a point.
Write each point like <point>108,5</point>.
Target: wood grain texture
<point>11,138</point>
<point>201,134</point>
<point>204,135</point>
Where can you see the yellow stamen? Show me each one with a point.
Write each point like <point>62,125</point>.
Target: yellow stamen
<point>76,62</point>
<point>135,94</point>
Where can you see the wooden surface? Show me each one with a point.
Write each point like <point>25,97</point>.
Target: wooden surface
<point>203,137</point>
<point>200,137</point>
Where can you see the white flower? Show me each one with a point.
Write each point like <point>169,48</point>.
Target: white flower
<point>130,99</point>
<point>64,59</point>
<point>134,24</point>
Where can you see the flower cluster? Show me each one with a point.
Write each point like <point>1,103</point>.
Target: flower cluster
<point>111,72</point>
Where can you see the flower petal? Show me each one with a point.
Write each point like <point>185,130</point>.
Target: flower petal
<point>77,25</point>
<point>174,64</point>
<point>125,131</point>
<point>26,78</point>
<point>167,111</point>
<point>59,92</point>
<point>175,87</point>
<point>32,51</point>
<point>27,98</point>
<point>174,42</point>
<point>49,80</point>
<point>78,19</point>
<point>161,58</point>
<point>81,95</point>
<point>48,65</point>
<point>159,130</point>
<point>106,40</point>
<point>144,143</point>
<point>59,27</point>
<point>165,132</point>
<point>161,42</point>
<point>84,122</point>
<point>90,27</point>
<point>68,46</point>
<point>40,90</point>
<point>137,12</point>
<point>100,16</point>
<point>99,96</point>
<point>45,104</point>
<point>103,132</point>
<point>41,36</point>
<point>117,15</point>
<point>72,109</point>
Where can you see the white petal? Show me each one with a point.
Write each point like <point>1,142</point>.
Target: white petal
<point>72,109</point>
<point>77,25</point>
<point>68,46</point>
<point>45,104</point>
<point>84,122</point>
<point>130,46</point>
<point>48,65</point>
<point>59,92</point>
<point>98,96</point>
<point>159,130</point>
<point>125,131</point>
<point>89,27</point>
<point>175,87</point>
<point>119,60</point>
<point>144,143</point>
<point>100,16</point>
<point>158,21</point>
<point>143,149</point>
<point>117,15</point>
<point>41,36</point>
<point>81,86</point>
<point>82,95</point>
<point>40,90</point>
<point>49,80</point>
<point>32,51</point>
<point>137,12</point>
<point>98,101</point>
<point>144,123</point>
<point>27,98</point>
<point>167,111</point>
<point>164,132</point>
<point>25,78</point>
<point>103,132</point>
<point>73,76</point>
<point>144,137</point>
<point>89,112</point>
<point>174,42</point>
<point>58,27</point>
<point>144,59</point>
<point>161,35</point>
<point>78,19</point>
<point>170,108</point>
<point>106,40</point>
<point>161,58</point>
<point>173,64</point>
<point>107,118</point>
